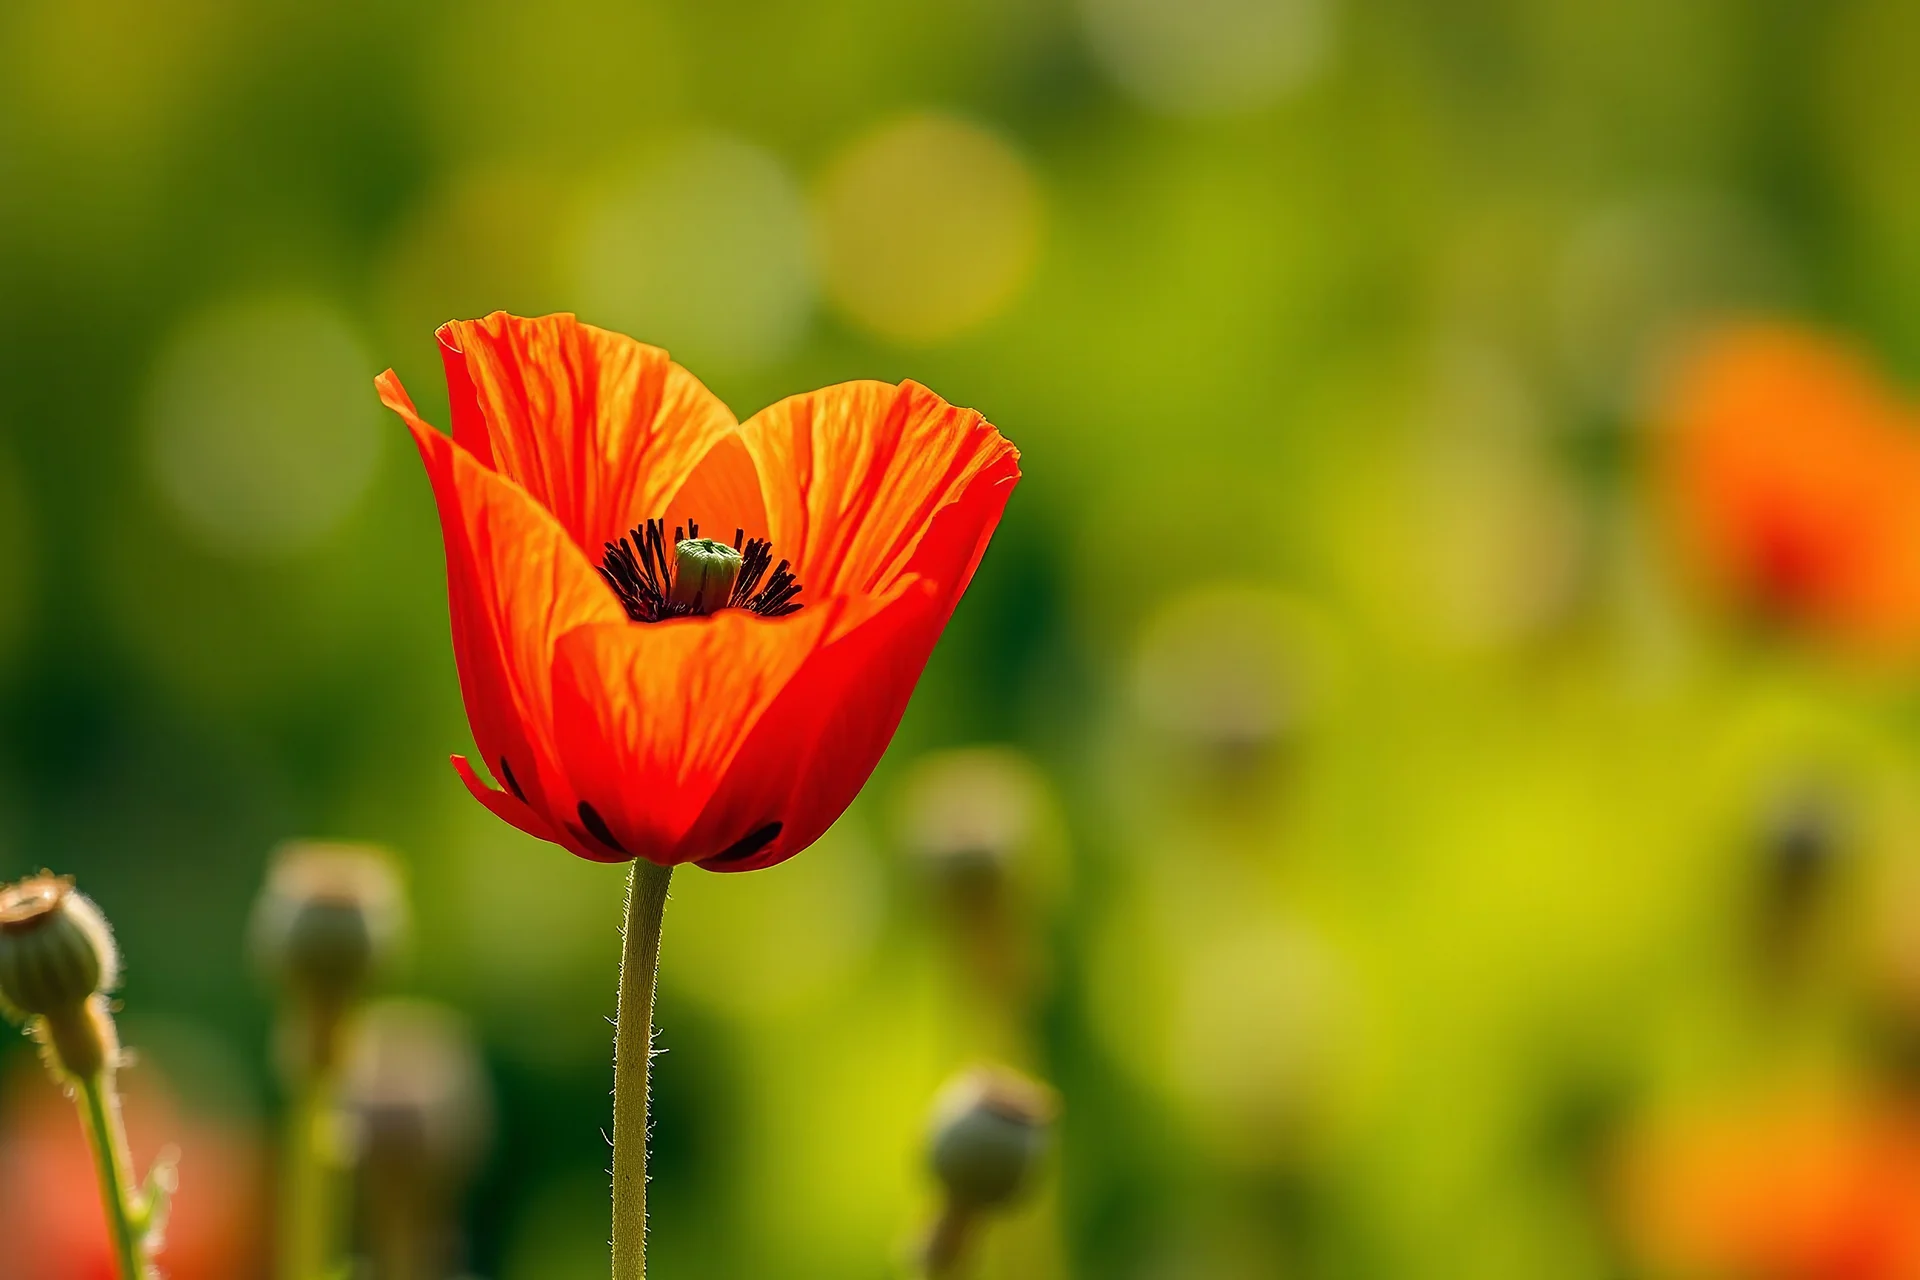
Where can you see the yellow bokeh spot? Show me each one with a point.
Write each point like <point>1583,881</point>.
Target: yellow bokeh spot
<point>930,226</point>
<point>260,433</point>
<point>701,247</point>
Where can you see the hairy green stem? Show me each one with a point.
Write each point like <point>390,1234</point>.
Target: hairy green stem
<point>632,1056</point>
<point>106,1134</point>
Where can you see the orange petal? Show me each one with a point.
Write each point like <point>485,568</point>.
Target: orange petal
<point>469,427</point>
<point>599,429</point>
<point>648,719</point>
<point>517,813</point>
<point>855,474</point>
<point>723,493</point>
<point>515,583</point>
<point>815,748</point>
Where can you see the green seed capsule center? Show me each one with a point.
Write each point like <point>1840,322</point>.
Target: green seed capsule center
<point>704,572</point>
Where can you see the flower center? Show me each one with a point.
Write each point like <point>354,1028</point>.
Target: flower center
<point>656,580</point>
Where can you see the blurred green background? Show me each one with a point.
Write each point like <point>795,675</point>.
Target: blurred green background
<point>1395,834</point>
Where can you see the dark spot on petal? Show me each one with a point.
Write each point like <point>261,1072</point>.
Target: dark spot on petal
<point>745,847</point>
<point>513,784</point>
<point>598,826</point>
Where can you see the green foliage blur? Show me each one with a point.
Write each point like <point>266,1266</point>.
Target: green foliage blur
<point>1394,830</point>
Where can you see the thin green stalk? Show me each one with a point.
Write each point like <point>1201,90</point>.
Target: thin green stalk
<point>947,1243</point>
<point>306,1194</point>
<point>632,1057</point>
<point>107,1136</point>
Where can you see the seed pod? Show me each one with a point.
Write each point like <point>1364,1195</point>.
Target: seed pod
<point>330,916</point>
<point>704,572</point>
<point>419,1109</point>
<point>992,1131</point>
<point>55,948</point>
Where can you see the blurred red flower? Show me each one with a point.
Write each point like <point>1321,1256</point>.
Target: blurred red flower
<point>50,1214</point>
<point>1795,476</point>
<point>1821,1191</point>
<point>624,715</point>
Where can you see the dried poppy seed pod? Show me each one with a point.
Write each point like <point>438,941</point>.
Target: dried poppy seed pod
<point>991,1133</point>
<point>56,958</point>
<point>55,947</point>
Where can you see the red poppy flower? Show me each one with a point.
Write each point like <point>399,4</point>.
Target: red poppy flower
<point>1795,475</point>
<point>639,691</point>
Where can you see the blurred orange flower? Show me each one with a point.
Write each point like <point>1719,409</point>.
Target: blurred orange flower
<point>1817,1191</point>
<point>1795,476</point>
<point>635,702</point>
<point>50,1214</point>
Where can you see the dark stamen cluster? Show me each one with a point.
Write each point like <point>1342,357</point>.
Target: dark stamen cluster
<point>776,598</point>
<point>639,568</point>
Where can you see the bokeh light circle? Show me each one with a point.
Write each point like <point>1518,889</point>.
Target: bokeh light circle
<point>930,226</point>
<point>1230,669</point>
<point>704,248</point>
<point>261,425</point>
<point>1208,57</point>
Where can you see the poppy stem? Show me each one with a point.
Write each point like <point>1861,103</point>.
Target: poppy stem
<point>308,1212</point>
<point>106,1134</point>
<point>947,1242</point>
<point>632,1058</point>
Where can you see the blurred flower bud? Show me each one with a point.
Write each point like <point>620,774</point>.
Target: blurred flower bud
<point>1801,842</point>
<point>969,816</point>
<point>1801,839</point>
<point>992,1129</point>
<point>330,916</point>
<point>417,1090</point>
<point>416,1096</point>
<point>55,947</point>
<point>1230,672</point>
<point>984,832</point>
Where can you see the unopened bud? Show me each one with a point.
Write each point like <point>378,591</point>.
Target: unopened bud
<point>992,1131</point>
<point>703,573</point>
<point>330,916</point>
<point>55,947</point>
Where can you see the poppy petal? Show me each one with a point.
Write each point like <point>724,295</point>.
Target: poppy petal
<point>723,493</point>
<point>854,475</point>
<point>814,749</point>
<point>515,583</point>
<point>648,719</point>
<point>600,429</point>
<point>517,813</point>
<point>469,427</point>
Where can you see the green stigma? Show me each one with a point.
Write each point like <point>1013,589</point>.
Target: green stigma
<point>703,574</point>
